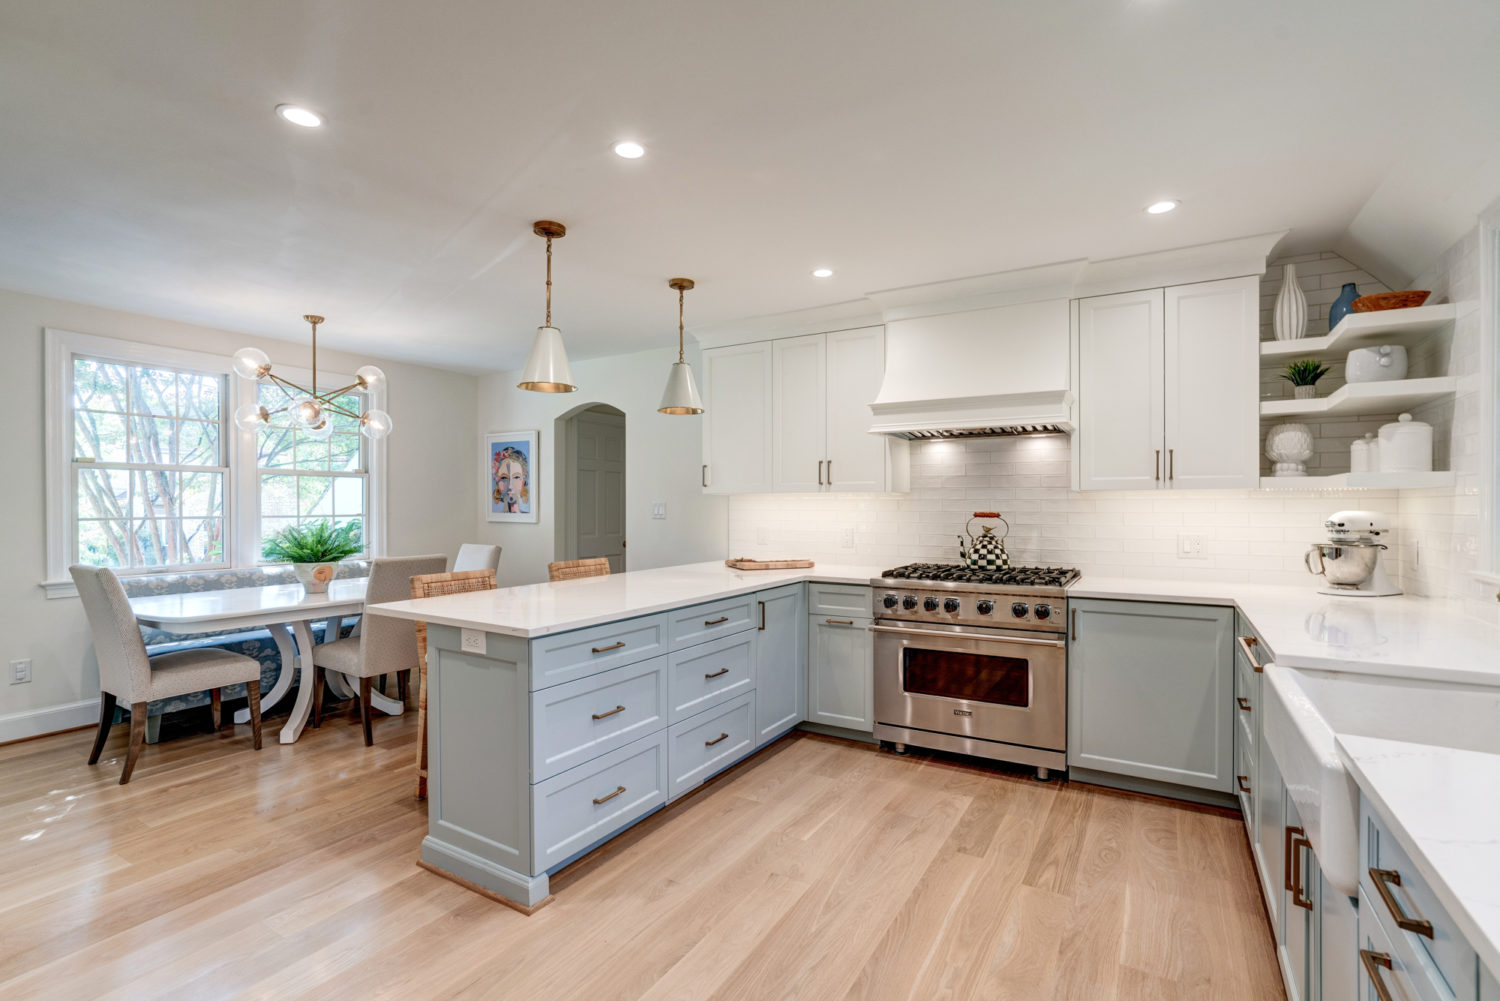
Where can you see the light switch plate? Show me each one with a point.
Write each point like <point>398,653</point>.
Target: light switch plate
<point>20,671</point>
<point>472,641</point>
<point>659,510</point>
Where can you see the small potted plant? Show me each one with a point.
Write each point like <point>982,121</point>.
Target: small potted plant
<point>1304,376</point>
<point>313,550</point>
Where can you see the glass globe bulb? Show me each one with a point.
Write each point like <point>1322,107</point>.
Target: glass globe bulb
<point>251,417</point>
<point>306,412</point>
<point>369,376</point>
<point>321,431</point>
<point>251,363</point>
<point>375,424</point>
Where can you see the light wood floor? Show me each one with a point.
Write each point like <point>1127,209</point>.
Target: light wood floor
<point>819,870</point>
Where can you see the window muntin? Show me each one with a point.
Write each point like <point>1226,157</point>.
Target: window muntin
<point>303,478</point>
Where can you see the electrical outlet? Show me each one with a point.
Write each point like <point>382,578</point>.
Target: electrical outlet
<point>472,641</point>
<point>20,671</point>
<point>846,538</point>
<point>659,510</point>
<point>1190,547</point>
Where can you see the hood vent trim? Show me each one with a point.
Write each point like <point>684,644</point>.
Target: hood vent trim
<point>999,431</point>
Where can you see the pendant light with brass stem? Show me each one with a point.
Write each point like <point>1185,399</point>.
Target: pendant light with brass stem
<point>681,395</point>
<point>547,369</point>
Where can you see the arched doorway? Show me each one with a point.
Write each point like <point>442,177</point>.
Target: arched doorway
<point>591,484</point>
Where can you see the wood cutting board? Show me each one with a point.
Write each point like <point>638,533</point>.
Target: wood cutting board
<point>745,563</point>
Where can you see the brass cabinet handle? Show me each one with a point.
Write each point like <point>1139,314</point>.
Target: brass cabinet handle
<point>830,472</point>
<point>1384,880</point>
<point>719,673</point>
<point>1299,895</point>
<point>616,709</point>
<point>1171,463</point>
<point>711,743</point>
<point>1286,857</point>
<point>1244,781</point>
<point>820,472</point>
<point>839,622</point>
<point>606,799</point>
<point>762,616</point>
<point>607,649</point>
<point>1075,624</point>
<point>1373,962</point>
<point>1247,647</point>
<point>1244,702</point>
<point>1158,464</point>
<point>715,622</point>
<point>705,474</point>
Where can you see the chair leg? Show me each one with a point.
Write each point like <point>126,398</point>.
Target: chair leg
<point>106,720</point>
<point>215,706</point>
<point>252,691</point>
<point>422,730</point>
<point>318,685</point>
<point>365,708</point>
<point>137,738</point>
<point>403,685</point>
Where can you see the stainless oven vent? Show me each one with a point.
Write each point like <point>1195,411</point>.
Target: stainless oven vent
<point>998,431</point>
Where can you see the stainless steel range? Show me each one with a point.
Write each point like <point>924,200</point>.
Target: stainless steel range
<point>974,661</point>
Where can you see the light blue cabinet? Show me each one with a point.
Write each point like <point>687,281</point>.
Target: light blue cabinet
<point>1150,690</point>
<point>780,662</point>
<point>1489,985</point>
<point>841,672</point>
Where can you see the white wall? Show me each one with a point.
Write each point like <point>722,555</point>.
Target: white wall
<point>430,458</point>
<point>662,465</point>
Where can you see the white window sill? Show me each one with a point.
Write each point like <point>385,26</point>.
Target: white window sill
<point>59,588</point>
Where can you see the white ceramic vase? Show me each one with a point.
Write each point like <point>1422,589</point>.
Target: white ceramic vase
<point>1289,322</point>
<point>1289,446</point>
<point>314,577</point>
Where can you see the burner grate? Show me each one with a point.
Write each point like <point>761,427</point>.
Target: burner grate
<point>1012,576</point>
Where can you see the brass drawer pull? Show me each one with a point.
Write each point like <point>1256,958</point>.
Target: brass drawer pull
<point>1384,880</point>
<point>1286,857</point>
<point>716,622</point>
<point>1158,464</point>
<point>705,476</point>
<point>607,649</point>
<point>1244,781</point>
<point>820,472</point>
<point>762,616</point>
<point>1244,702</point>
<point>1171,463</point>
<point>720,672</point>
<point>1299,895</point>
<point>839,622</point>
<point>605,799</point>
<point>711,743</point>
<point>1373,962</point>
<point>1247,643</point>
<point>616,709</point>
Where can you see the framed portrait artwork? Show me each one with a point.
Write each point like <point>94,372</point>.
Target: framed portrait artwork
<point>511,475</point>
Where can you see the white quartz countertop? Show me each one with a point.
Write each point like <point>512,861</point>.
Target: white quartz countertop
<point>540,609</point>
<point>1442,805</point>
<point>1402,635</point>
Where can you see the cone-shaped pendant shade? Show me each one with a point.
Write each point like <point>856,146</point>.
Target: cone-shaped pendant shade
<point>681,395</point>
<point>547,370</point>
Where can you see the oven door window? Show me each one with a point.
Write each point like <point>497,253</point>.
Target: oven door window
<point>973,677</point>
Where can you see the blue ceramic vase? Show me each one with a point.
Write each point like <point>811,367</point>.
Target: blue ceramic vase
<point>1343,305</point>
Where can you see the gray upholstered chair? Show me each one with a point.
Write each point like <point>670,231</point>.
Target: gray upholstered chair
<point>127,673</point>
<point>476,556</point>
<point>384,645</point>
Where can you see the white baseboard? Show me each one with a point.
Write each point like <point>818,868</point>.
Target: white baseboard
<point>50,719</point>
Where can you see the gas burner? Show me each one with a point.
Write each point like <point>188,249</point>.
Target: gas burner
<point>1008,577</point>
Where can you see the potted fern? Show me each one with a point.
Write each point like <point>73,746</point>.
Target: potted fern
<point>313,550</point>
<point>1304,376</point>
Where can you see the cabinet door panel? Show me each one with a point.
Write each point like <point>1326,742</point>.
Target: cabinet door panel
<point>1119,439</point>
<point>780,663</point>
<point>737,419</point>
<point>1213,384</point>
<point>799,436</point>
<point>1270,835</point>
<point>1296,930</point>
<point>841,674</point>
<point>856,363</point>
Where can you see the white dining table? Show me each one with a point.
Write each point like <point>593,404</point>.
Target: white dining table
<point>287,611</point>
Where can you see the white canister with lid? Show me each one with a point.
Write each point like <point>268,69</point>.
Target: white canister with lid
<point>1381,363</point>
<point>1364,455</point>
<point>1406,446</point>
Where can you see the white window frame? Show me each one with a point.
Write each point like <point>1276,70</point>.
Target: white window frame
<point>241,496</point>
<point>1489,406</point>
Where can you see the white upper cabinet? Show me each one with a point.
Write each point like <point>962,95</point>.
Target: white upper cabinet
<point>856,458</point>
<point>737,419</point>
<point>799,414</point>
<point>1167,385</point>
<point>1119,438</point>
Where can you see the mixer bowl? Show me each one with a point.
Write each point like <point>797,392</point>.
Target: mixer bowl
<point>1344,564</point>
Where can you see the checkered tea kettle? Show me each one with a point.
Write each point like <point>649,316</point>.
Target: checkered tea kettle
<point>988,551</point>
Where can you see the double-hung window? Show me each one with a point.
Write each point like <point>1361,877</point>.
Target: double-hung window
<point>303,477</point>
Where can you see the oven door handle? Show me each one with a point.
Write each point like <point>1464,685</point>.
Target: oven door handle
<point>967,636</point>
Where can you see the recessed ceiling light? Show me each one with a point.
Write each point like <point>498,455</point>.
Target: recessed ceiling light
<point>822,272</point>
<point>630,150</point>
<point>1159,207</point>
<point>299,116</point>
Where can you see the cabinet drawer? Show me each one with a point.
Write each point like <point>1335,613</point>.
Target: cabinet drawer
<point>709,742</point>
<point>579,720</point>
<point>1244,786</point>
<point>1246,694</point>
<point>584,652</point>
<point>841,600</point>
<point>1375,950</point>
<point>584,805</point>
<point>691,626</point>
<point>1443,965</point>
<point>1243,627</point>
<point>708,674</point>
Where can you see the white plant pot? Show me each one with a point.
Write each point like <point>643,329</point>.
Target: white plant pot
<point>1289,446</point>
<point>1289,321</point>
<point>1304,392</point>
<point>314,577</point>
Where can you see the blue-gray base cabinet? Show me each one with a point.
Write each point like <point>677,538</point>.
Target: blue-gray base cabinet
<point>1149,694</point>
<point>540,750</point>
<point>841,657</point>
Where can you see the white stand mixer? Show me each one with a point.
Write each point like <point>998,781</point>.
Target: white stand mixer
<point>1350,559</point>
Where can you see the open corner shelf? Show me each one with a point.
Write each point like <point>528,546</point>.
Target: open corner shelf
<point>1391,326</point>
<point>1365,398</point>
<point>1358,481</point>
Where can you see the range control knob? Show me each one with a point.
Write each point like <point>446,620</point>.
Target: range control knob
<point>890,601</point>
<point>1042,611</point>
<point>985,607</point>
<point>909,602</point>
<point>1019,609</point>
<point>930,604</point>
<point>950,605</point>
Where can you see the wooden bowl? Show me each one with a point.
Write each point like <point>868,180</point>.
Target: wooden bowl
<point>1390,300</point>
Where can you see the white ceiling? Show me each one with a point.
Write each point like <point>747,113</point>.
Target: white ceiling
<point>897,142</point>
